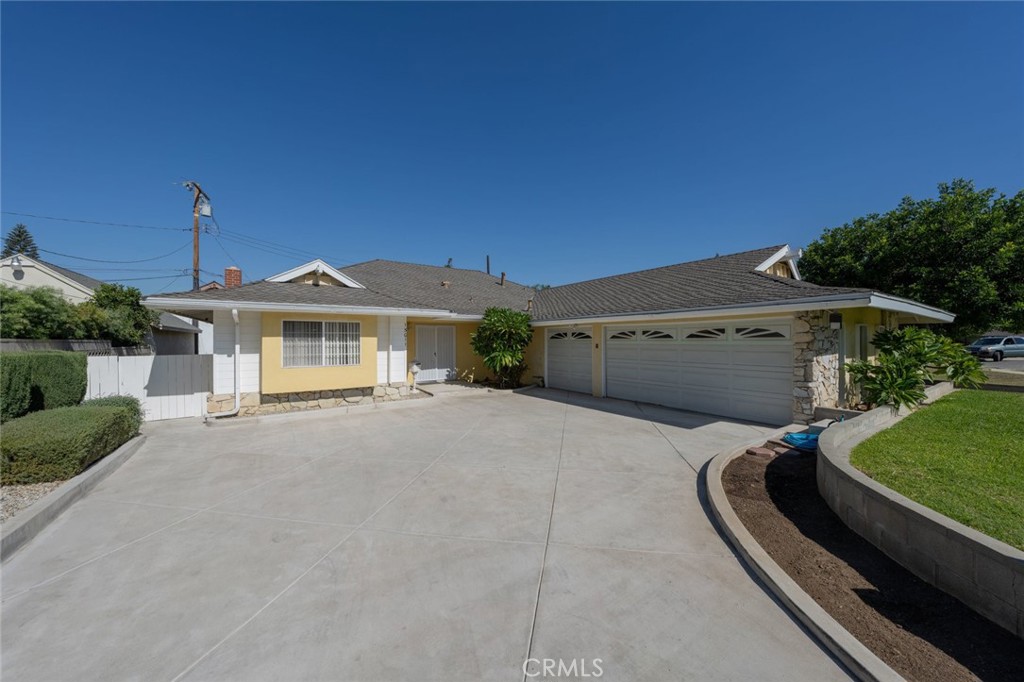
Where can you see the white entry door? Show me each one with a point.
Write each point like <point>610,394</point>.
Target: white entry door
<point>569,359</point>
<point>435,351</point>
<point>742,369</point>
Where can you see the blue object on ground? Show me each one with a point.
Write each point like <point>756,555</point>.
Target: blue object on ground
<point>808,442</point>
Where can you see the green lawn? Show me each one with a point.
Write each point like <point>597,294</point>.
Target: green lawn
<point>963,456</point>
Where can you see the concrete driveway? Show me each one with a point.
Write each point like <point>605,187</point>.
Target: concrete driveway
<point>449,539</point>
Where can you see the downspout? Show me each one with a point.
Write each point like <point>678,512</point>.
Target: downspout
<point>238,366</point>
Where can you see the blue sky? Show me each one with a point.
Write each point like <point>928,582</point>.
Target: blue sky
<point>568,141</point>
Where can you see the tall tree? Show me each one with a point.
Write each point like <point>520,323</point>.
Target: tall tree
<point>127,321</point>
<point>19,240</point>
<point>963,252</point>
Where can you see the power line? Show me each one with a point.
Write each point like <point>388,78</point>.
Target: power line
<point>169,284</point>
<point>98,260</point>
<point>139,279</point>
<point>97,222</point>
<point>123,269</point>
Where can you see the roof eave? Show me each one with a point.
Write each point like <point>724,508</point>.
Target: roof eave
<point>185,304</point>
<point>920,312</point>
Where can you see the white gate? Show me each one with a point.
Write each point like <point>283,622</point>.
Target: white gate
<point>168,386</point>
<point>435,350</point>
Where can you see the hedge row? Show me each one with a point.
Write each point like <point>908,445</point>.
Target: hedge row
<point>55,445</point>
<point>40,380</point>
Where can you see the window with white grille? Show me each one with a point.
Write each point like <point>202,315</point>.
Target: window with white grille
<point>320,344</point>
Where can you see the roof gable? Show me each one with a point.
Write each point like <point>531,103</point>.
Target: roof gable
<point>315,267</point>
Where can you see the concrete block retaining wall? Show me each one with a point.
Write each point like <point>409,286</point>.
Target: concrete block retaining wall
<point>271,403</point>
<point>983,573</point>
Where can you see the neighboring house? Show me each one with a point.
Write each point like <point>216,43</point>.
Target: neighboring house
<point>171,335</point>
<point>739,335</point>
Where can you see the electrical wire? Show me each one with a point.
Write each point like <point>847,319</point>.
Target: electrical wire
<point>123,269</point>
<point>168,285</point>
<point>97,222</point>
<point>98,260</point>
<point>139,279</point>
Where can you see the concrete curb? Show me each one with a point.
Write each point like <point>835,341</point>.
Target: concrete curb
<point>31,521</point>
<point>864,664</point>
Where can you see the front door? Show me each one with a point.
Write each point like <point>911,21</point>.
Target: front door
<point>435,351</point>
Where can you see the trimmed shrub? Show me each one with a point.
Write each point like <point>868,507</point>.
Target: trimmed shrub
<point>501,340</point>
<point>126,402</point>
<point>55,445</point>
<point>59,379</point>
<point>15,385</point>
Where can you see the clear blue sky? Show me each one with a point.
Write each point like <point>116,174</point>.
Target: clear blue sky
<point>568,141</point>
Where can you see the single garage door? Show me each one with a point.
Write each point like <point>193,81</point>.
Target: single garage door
<point>742,370</point>
<point>569,359</point>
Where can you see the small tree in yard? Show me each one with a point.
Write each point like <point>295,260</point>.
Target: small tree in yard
<point>501,341</point>
<point>907,358</point>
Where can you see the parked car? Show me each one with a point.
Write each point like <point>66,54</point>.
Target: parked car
<point>997,347</point>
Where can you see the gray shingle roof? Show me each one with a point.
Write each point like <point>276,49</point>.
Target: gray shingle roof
<point>468,292</point>
<point>721,281</point>
<point>729,280</point>
<point>295,294</point>
<point>172,323</point>
<point>84,280</point>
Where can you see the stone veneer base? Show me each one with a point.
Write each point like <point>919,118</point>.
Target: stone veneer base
<point>271,403</point>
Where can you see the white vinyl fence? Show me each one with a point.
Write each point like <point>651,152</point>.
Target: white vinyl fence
<point>168,386</point>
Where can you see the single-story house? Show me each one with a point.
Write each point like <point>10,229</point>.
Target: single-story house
<point>739,335</point>
<point>170,335</point>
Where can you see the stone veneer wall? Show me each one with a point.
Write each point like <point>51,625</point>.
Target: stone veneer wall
<point>257,403</point>
<point>815,365</point>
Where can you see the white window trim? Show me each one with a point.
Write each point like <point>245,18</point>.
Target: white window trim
<point>323,344</point>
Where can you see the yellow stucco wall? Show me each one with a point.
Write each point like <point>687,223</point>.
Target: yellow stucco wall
<point>467,363</point>
<point>853,317</point>
<point>275,378</point>
<point>534,357</point>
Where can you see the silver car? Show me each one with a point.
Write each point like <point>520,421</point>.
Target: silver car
<point>997,347</point>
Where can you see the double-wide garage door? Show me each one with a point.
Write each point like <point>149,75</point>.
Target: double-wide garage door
<point>742,370</point>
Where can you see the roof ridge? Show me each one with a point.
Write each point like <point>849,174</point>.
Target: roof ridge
<point>437,267</point>
<point>665,267</point>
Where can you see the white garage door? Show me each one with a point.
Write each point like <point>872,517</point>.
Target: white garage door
<point>742,370</point>
<point>569,359</point>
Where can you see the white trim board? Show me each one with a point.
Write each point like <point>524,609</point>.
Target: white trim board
<point>872,300</point>
<point>318,266</point>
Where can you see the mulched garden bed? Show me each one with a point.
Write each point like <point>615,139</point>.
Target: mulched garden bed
<point>920,631</point>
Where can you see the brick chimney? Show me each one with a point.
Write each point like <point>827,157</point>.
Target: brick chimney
<point>232,277</point>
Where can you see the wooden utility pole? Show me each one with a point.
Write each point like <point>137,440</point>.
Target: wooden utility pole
<point>197,194</point>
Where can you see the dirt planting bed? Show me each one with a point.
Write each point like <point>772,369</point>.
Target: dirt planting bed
<point>921,632</point>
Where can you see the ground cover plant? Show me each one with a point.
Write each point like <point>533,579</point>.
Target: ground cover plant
<point>962,456</point>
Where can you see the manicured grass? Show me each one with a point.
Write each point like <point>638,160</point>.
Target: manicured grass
<point>963,456</point>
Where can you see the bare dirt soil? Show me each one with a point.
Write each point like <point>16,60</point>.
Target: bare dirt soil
<point>920,631</point>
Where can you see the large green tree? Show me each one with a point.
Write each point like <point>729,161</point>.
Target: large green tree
<point>127,321</point>
<point>962,251</point>
<point>19,240</point>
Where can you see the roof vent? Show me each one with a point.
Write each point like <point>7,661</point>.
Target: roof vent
<point>446,284</point>
<point>503,279</point>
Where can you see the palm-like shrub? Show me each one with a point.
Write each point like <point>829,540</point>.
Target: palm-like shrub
<point>907,358</point>
<point>501,340</point>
